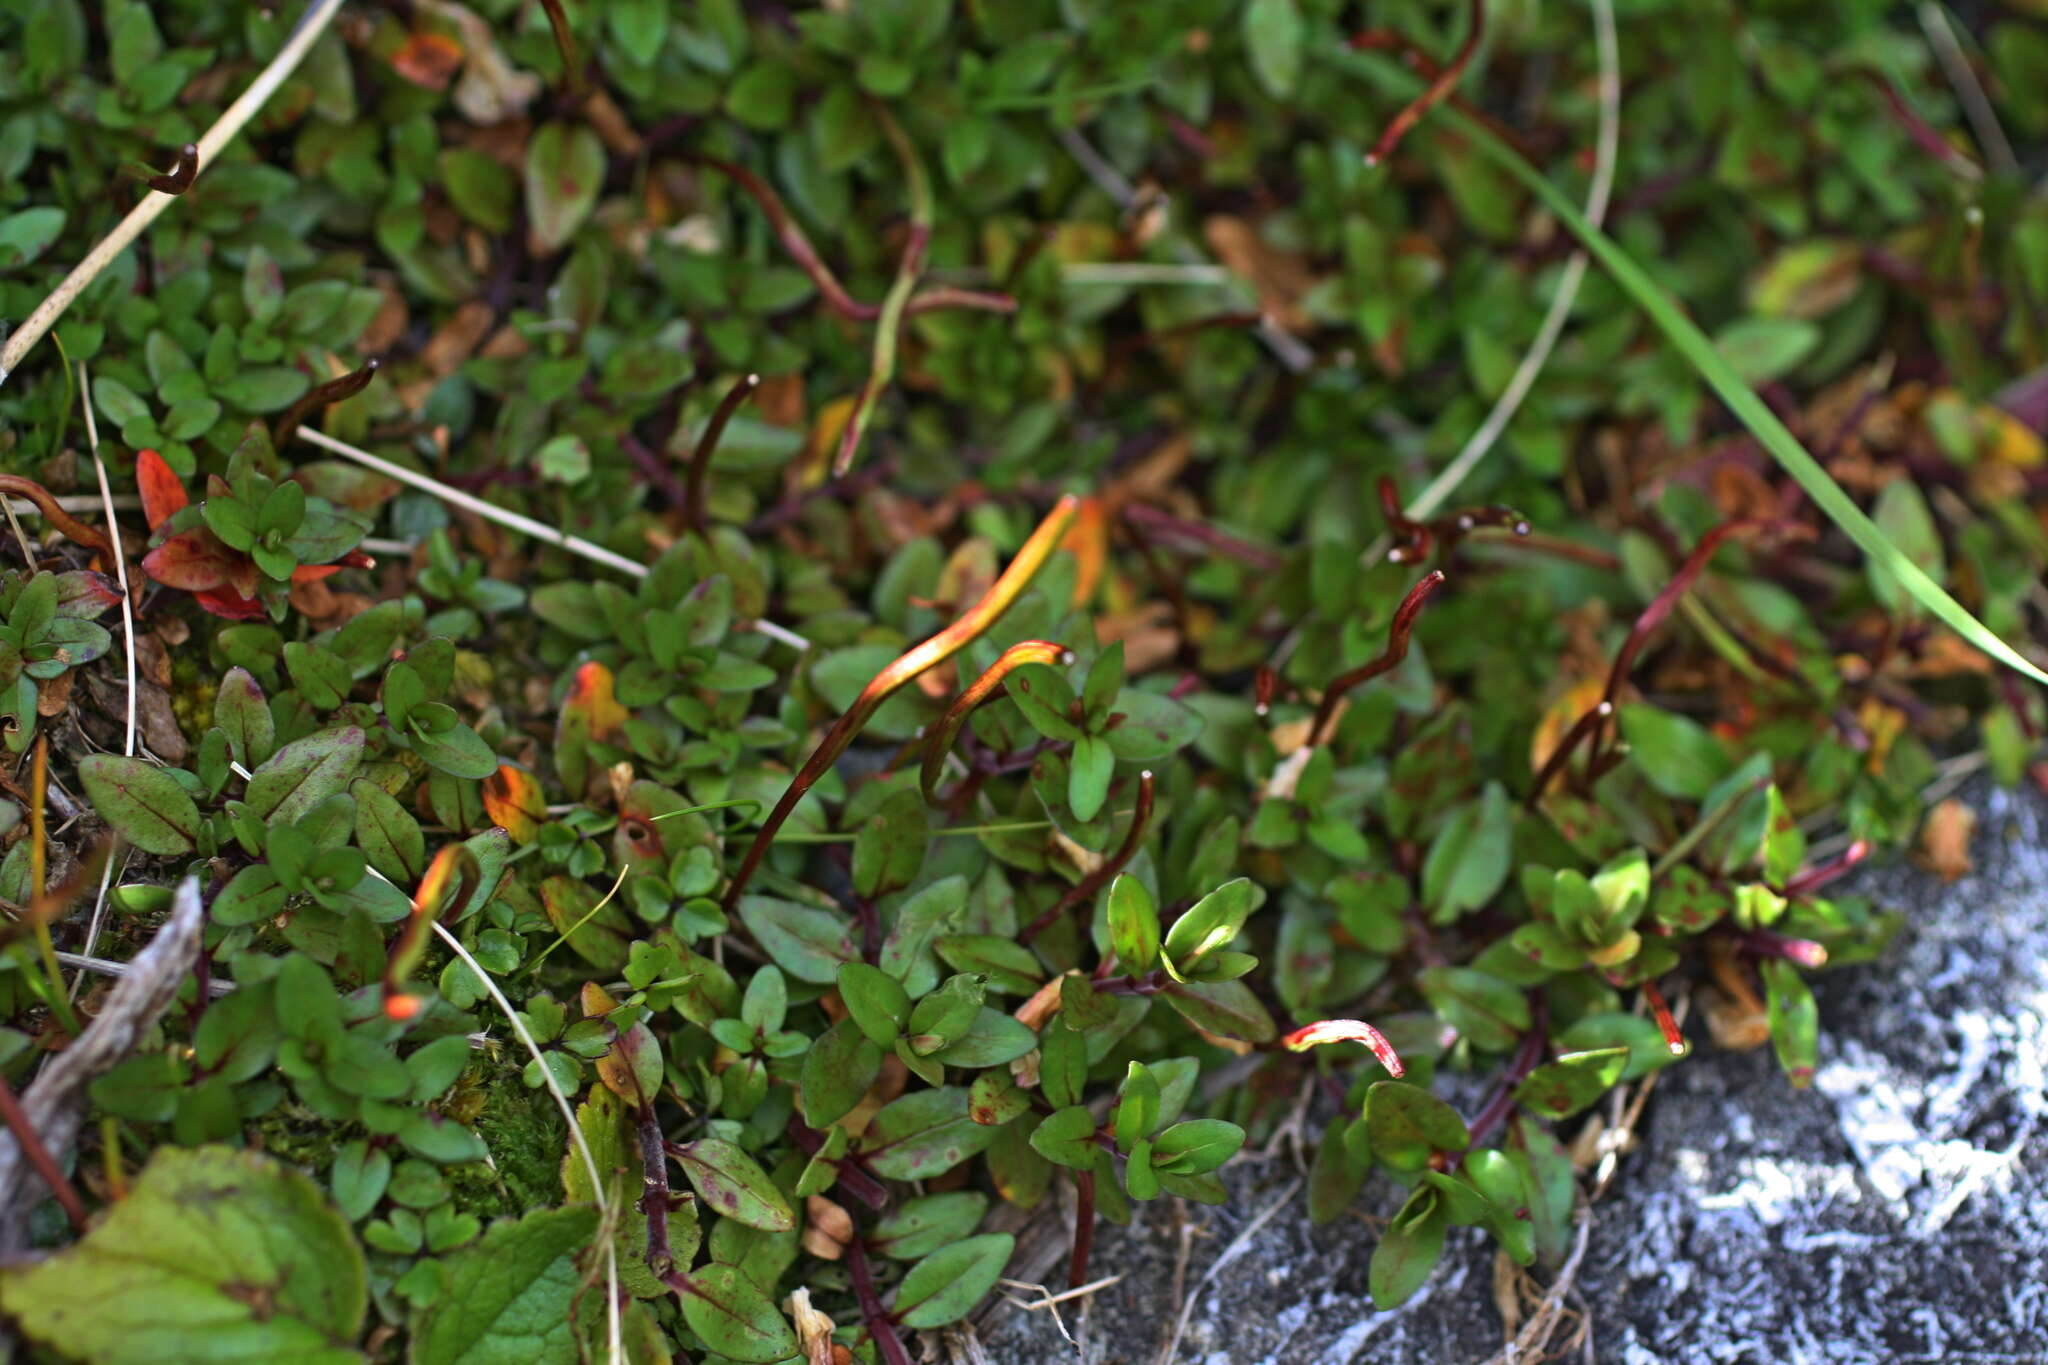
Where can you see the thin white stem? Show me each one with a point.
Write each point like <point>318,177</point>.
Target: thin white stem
<point>92,435</point>
<point>1524,378</point>
<point>539,530</point>
<point>104,966</point>
<point>590,1166</point>
<point>211,144</point>
<point>82,502</point>
<point>1955,64</point>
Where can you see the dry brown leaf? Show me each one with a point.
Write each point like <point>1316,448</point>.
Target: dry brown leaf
<point>1279,277</point>
<point>1944,844</point>
<point>456,339</point>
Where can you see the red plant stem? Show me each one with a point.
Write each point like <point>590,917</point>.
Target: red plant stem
<point>1081,892</point>
<point>182,173</point>
<point>1653,616</point>
<point>1799,951</point>
<point>651,466</point>
<point>654,1190</point>
<point>853,1177</point>
<point>1208,537</point>
<point>1413,535</point>
<point>1673,1039</point>
<point>1820,874</point>
<point>1931,142</point>
<point>800,250</point>
<point>707,445</point>
<point>1390,658</point>
<point>572,68</point>
<point>1562,754</point>
<point>89,536</point>
<point>1030,557</point>
<point>1435,93</point>
<point>940,742</point>
<point>873,1315</point>
<point>318,397</point>
<point>1502,1102</point>
<point>1429,68</point>
<point>1084,1228</point>
<point>39,1157</point>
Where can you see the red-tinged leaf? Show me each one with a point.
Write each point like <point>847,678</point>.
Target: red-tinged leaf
<point>305,772</point>
<point>1346,1031</point>
<point>230,605</point>
<point>733,1185</point>
<point>143,803</point>
<point>589,713</point>
<point>512,798</point>
<point>193,560</point>
<point>162,494</point>
<point>85,594</point>
<point>313,573</point>
<point>428,59</point>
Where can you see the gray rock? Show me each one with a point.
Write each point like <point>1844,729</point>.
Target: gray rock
<point>1896,1212</point>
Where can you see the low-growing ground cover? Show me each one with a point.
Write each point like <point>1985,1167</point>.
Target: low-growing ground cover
<point>730,635</point>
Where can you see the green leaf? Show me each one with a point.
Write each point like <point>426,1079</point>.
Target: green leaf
<point>838,1070</point>
<point>920,1226</point>
<point>811,945</point>
<point>1559,1089</point>
<point>304,773</point>
<point>945,1286</point>
<point>1760,350</point>
<point>1794,1018</point>
<point>1487,1010</point>
<point>1145,726</point>
<point>508,1297</point>
<point>1676,755</point>
<point>1274,35</point>
<point>1498,1178</point>
<point>1406,1125</point>
<point>143,803</point>
<point>733,1184</point>
<point>993,1038</point>
<point>733,1317</point>
<point>1409,1250</point>
<point>1133,924</point>
<point>1067,1137</point>
<point>388,834</point>
<point>875,1000</point>
<point>1088,778</point>
<point>1209,926</point>
<point>1228,1008</point>
<point>919,1135</point>
<point>1468,861</point>
<point>1692,344</point>
<point>1196,1146</point>
<point>564,170</point>
<point>28,234</point>
<point>216,1254</point>
<point>890,845</point>
<point>261,388</point>
<point>1902,514</point>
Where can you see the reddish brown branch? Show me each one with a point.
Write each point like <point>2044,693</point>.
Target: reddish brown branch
<point>321,396</point>
<point>1084,890</point>
<point>798,245</point>
<point>1390,658</point>
<point>1084,1228</point>
<point>707,445</point>
<point>1438,89</point>
<point>39,1157</point>
<point>873,1315</point>
<point>89,536</point>
<point>182,173</point>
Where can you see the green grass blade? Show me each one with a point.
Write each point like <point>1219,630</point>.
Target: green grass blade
<point>1693,344</point>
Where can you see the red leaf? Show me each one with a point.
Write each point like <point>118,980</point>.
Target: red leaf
<point>230,605</point>
<point>193,560</point>
<point>162,494</point>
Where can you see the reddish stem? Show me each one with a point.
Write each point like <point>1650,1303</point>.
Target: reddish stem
<point>1390,658</point>
<point>873,1315</point>
<point>1084,1228</point>
<point>1820,874</point>
<point>39,1157</point>
<point>707,445</point>
<point>1147,517</point>
<point>800,250</point>
<point>1502,1101</point>
<point>1673,1039</point>
<point>320,396</point>
<point>1435,93</point>
<point>182,173</point>
<point>654,1191</point>
<point>1084,890</point>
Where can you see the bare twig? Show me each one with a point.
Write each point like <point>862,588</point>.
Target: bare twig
<point>1435,92</point>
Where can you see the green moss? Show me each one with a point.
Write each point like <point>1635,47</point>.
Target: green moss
<point>524,1132</point>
